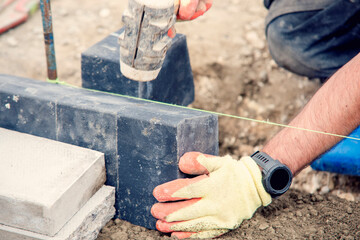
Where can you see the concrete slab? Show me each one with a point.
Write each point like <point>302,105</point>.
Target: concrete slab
<point>100,70</point>
<point>43,183</point>
<point>84,225</point>
<point>142,141</point>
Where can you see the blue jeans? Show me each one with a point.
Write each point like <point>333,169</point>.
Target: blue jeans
<point>315,43</point>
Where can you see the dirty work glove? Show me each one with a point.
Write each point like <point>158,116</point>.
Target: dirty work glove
<point>226,192</point>
<point>191,9</point>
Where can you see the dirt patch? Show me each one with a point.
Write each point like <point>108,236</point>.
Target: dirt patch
<point>296,215</point>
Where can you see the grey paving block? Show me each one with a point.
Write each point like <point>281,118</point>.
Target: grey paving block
<point>142,141</point>
<point>43,183</point>
<point>100,69</point>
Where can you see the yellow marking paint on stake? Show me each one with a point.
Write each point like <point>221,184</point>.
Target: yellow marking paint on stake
<point>211,112</point>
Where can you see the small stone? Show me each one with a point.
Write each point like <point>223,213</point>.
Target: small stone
<point>276,224</point>
<point>263,76</point>
<point>263,226</point>
<point>299,214</point>
<point>257,54</point>
<point>347,196</point>
<point>313,212</point>
<point>117,221</point>
<point>324,190</point>
<point>12,42</point>
<point>254,39</point>
<point>349,210</point>
<point>105,12</point>
<point>319,198</point>
<point>272,64</point>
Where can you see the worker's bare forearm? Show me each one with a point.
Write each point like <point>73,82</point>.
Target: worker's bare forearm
<point>335,108</point>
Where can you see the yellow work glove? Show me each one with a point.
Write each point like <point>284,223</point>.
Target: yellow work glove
<point>226,192</point>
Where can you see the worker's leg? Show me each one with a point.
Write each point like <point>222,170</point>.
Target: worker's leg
<point>316,43</point>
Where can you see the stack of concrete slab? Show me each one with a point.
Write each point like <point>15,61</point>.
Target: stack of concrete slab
<point>51,190</point>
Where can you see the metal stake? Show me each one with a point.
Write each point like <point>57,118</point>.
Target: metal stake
<point>49,39</point>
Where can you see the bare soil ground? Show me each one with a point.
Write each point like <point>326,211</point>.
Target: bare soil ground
<point>295,215</point>
<point>234,74</point>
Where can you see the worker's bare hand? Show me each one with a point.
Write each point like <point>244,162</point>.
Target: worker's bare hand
<point>226,192</point>
<point>191,9</point>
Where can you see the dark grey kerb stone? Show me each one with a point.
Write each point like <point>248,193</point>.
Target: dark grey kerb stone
<point>142,141</point>
<point>100,70</point>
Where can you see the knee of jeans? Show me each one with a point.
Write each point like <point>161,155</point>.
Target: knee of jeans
<point>292,53</point>
<point>285,53</point>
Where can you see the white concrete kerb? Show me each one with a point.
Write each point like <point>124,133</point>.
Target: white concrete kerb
<point>85,224</point>
<point>43,183</point>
